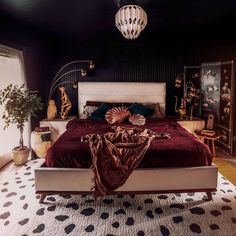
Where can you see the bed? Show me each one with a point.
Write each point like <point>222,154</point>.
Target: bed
<point>200,177</point>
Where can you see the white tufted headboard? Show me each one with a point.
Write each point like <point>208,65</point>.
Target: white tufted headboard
<point>122,92</point>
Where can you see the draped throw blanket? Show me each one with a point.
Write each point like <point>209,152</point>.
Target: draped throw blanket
<point>116,154</point>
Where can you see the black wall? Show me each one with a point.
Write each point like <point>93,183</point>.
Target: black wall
<point>134,61</point>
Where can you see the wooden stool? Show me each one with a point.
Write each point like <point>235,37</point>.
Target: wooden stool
<point>203,137</point>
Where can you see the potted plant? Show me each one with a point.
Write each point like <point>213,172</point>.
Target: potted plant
<point>20,103</point>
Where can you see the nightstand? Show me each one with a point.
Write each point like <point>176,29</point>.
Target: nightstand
<point>192,125</point>
<point>56,126</point>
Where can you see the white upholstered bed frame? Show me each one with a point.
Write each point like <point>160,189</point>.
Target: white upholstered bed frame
<point>157,180</point>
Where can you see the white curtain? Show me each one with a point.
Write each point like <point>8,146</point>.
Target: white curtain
<point>11,72</point>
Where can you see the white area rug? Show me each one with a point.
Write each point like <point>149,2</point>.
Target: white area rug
<point>160,214</point>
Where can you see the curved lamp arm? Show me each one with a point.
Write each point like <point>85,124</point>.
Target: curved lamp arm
<point>56,79</point>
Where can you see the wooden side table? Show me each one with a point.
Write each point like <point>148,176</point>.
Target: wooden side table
<point>208,138</point>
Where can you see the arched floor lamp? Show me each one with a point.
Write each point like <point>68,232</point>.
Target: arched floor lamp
<point>81,66</point>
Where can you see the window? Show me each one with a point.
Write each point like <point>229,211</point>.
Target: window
<point>12,72</point>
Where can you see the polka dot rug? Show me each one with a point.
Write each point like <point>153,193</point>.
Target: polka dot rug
<point>152,214</point>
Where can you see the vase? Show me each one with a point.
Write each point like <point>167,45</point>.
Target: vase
<point>52,110</point>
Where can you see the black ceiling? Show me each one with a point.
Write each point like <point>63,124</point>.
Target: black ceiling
<point>89,20</point>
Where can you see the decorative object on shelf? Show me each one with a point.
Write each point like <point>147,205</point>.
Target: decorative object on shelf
<point>130,20</point>
<point>210,122</point>
<point>68,74</point>
<point>192,81</point>
<point>52,110</point>
<point>189,94</point>
<point>191,113</point>
<point>179,80</point>
<point>65,103</point>
<point>190,91</point>
<point>182,108</point>
<point>225,92</point>
<point>20,103</point>
<point>226,111</point>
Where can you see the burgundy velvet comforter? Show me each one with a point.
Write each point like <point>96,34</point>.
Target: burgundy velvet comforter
<point>181,150</point>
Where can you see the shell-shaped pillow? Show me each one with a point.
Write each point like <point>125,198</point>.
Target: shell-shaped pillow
<point>137,119</point>
<point>117,115</point>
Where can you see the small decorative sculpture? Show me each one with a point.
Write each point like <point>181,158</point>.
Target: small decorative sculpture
<point>226,111</point>
<point>182,109</point>
<point>65,103</point>
<point>210,122</point>
<point>52,110</point>
<point>191,113</point>
<point>179,80</point>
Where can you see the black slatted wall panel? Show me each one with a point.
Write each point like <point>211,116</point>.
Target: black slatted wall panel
<point>133,62</point>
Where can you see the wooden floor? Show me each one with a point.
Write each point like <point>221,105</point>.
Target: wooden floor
<point>227,167</point>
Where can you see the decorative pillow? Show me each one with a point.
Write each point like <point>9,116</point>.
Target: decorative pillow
<point>117,115</point>
<point>88,110</point>
<point>157,110</point>
<point>137,108</point>
<point>99,113</point>
<point>137,119</point>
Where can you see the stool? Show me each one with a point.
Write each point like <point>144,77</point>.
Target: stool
<point>41,142</point>
<point>213,138</point>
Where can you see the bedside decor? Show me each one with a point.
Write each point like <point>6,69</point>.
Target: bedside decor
<point>52,110</point>
<point>68,74</point>
<point>190,95</point>
<point>65,103</point>
<point>20,103</point>
<point>210,122</point>
<point>182,108</point>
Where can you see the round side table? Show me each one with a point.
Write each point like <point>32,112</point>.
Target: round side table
<point>41,142</point>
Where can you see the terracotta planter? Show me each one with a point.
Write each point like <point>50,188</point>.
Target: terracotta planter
<point>20,157</point>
